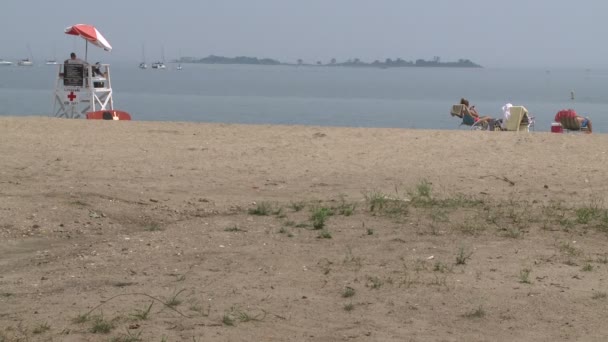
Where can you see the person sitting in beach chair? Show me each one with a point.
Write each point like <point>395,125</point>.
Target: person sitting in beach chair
<point>571,121</point>
<point>470,116</point>
<point>516,119</point>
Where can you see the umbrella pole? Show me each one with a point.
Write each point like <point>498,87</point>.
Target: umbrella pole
<point>86,49</point>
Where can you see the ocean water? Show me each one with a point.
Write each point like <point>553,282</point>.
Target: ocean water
<point>337,96</point>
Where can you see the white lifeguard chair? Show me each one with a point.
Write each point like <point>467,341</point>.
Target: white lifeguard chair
<point>80,89</point>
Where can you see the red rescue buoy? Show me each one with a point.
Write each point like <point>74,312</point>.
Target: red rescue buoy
<point>108,115</point>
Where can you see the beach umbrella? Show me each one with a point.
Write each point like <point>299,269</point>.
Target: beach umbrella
<point>91,35</point>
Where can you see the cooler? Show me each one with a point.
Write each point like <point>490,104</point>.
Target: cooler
<point>556,127</point>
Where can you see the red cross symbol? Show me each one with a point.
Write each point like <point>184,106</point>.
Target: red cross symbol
<point>71,96</point>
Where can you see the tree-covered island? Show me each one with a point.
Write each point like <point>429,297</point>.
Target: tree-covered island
<point>356,62</point>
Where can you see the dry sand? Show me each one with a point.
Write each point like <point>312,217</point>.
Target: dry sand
<point>101,219</point>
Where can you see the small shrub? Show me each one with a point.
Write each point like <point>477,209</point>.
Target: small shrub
<point>349,307</point>
<point>587,268</point>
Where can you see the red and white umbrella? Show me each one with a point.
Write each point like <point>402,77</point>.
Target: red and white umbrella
<point>90,34</point>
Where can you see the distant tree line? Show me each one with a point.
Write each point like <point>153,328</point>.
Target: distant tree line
<point>356,62</point>
<point>228,60</point>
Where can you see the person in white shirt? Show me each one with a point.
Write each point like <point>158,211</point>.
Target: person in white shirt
<point>506,111</point>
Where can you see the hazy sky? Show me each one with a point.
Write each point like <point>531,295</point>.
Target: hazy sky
<point>506,33</point>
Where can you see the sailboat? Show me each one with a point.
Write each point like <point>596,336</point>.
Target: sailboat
<point>143,64</point>
<point>27,61</point>
<point>52,61</point>
<point>3,62</point>
<point>179,66</point>
<point>160,65</point>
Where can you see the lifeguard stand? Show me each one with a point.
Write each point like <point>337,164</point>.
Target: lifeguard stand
<point>78,91</point>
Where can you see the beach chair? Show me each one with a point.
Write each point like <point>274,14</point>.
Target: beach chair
<point>461,111</point>
<point>519,120</point>
<point>571,124</point>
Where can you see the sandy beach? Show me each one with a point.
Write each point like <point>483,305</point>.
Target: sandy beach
<point>160,231</point>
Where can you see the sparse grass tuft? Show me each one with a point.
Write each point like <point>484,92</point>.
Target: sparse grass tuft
<point>233,229</point>
<point>319,216</point>
<point>349,307</point>
<point>297,206</point>
<point>324,234</point>
<point>228,320</point>
<point>587,268</point>
<point>462,256</point>
<point>477,313</point>
<point>174,301</point>
<point>376,200</point>
<point>440,267</point>
<point>471,227</point>
<point>383,204</point>
<point>569,250</point>
<point>524,276</point>
<point>374,282</point>
<point>200,309</point>
<point>348,292</point>
<point>345,208</point>
<point>143,314</point>
<point>101,326</point>
<point>422,193</point>
<point>261,209</point>
<point>81,318</point>
<point>513,233</point>
<point>41,328</point>
<point>599,295</point>
<point>235,314</point>
<point>589,213</point>
<point>128,337</point>
<point>370,231</point>
<point>153,227</point>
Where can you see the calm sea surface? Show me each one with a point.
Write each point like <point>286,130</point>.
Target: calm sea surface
<point>401,97</point>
